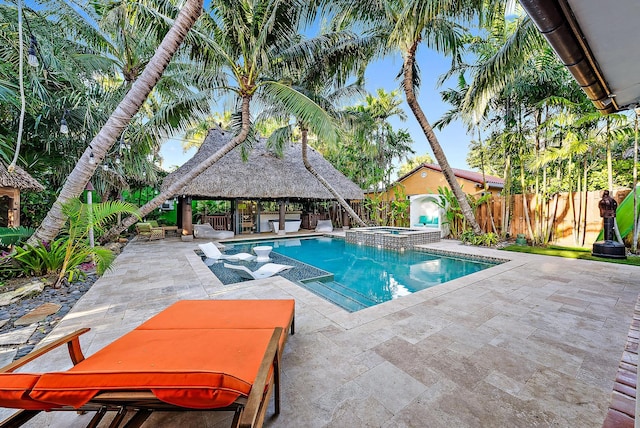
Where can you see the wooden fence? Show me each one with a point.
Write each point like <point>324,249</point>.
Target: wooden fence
<point>567,219</point>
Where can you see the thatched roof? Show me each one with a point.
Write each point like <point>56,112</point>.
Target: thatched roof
<point>263,176</point>
<point>18,179</point>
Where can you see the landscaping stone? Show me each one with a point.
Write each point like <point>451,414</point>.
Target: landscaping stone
<point>64,297</point>
<point>17,337</point>
<point>21,292</point>
<point>38,314</point>
<point>6,356</point>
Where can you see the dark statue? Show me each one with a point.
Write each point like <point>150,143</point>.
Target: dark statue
<point>608,207</point>
<point>609,247</point>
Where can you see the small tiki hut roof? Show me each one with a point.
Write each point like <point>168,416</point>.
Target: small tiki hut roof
<point>18,179</point>
<point>263,176</point>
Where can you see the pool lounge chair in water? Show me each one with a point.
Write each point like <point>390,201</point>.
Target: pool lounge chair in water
<point>213,253</point>
<point>264,271</point>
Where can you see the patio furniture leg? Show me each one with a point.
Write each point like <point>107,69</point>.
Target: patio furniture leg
<point>95,421</point>
<point>19,418</point>
<point>138,419</point>
<point>117,420</point>
<point>236,418</point>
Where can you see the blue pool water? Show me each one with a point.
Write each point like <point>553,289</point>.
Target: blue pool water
<point>365,276</point>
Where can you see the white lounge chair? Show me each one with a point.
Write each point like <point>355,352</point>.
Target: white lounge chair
<point>324,226</point>
<point>264,271</point>
<point>212,252</point>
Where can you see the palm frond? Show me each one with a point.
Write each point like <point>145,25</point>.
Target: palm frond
<point>303,109</point>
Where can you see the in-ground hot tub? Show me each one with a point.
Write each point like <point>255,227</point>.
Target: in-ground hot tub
<point>393,238</point>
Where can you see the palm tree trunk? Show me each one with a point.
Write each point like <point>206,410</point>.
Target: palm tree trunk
<point>525,205</point>
<point>407,84</point>
<point>506,210</point>
<point>586,196</point>
<point>119,119</point>
<point>609,160</point>
<point>572,204</point>
<point>324,182</point>
<point>634,244</point>
<point>175,188</point>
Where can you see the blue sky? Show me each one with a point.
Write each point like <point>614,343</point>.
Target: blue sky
<point>381,74</point>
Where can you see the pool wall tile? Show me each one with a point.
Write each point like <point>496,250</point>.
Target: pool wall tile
<point>383,237</point>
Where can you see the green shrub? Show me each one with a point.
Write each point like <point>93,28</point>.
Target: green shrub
<point>14,235</point>
<point>486,239</point>
<point>42,259</point>
<point>9,267</point>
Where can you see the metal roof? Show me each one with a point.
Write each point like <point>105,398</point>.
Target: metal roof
<point>598,41</point>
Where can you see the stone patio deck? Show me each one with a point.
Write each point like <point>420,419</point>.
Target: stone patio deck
<point>535,341</point>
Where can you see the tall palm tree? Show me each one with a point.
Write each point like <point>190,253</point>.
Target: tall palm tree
<point>317,92</point>
<point>117,122</point>
<point>248,42</point>
<point>403,26</point>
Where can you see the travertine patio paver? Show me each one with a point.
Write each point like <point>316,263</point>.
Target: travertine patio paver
<point>535,341</point>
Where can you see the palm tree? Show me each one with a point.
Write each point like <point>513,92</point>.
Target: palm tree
<point>117,122</point>
<point>249,42</point>
<point>405,25</point>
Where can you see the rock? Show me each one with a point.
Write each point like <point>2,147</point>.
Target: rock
<point>17,337</point>
<point>21,292</point>
<point>114,247</point>
<point>38,314</point>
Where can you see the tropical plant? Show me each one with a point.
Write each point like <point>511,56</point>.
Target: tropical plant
<point>10,236</point>
<point>486,239</point>
<point>454,218</point>
<point>248,43</point>
<point>322,84</point>
<point>66,253</point>
<point>413,162</point>
<point>400,204</point>
<point>82,220</point>
<point>403,26</point>
<point>9,266</point>
<point>118,121</point>
<point>42,259</point>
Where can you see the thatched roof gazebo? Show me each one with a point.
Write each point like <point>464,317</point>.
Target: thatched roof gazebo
<point>264,176</point>
<point>11,183</point>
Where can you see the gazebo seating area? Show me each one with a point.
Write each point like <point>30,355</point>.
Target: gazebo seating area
<point>261,177</point>
<point>146,230</point>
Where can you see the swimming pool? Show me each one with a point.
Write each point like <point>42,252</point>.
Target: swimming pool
<point>365,276</point>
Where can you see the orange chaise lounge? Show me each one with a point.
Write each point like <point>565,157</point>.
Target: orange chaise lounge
<point>194,355</point>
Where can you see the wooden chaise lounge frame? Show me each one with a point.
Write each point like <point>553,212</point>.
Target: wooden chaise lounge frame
<point>248,411</point>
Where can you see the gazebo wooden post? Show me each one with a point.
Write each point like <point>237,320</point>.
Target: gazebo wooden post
<point>179,213</point>
<point>186,215</point>
<point>346,220</point>
<point>237,220</point>
<point>282,216</point>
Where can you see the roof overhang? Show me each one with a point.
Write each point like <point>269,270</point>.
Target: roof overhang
<point>598,42</point>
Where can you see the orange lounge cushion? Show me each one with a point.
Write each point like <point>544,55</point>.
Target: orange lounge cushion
<point>14,391</point>
<point>195,314</point>
<point>223,314</point>
<point>198,368</point>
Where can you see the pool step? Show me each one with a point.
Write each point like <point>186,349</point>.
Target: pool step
<point>340,295</point>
